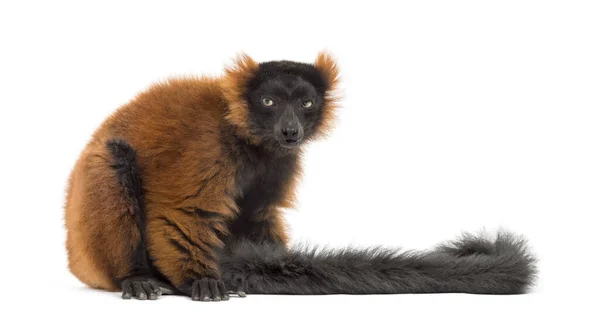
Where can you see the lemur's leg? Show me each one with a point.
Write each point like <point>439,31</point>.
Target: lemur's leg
<point>105,219</point>
<point>141,280</point>
<point>183,244</point>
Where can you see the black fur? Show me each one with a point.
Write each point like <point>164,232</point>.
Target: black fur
<point>289,85</point>
<point>128,175</point>
<point>262,180</point>
<point>200,212</point>
<point>468,265</point>
<point>261,176</point>
<point>308,72</point>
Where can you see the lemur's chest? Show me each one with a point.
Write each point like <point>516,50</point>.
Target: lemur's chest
<point>261,185</point>
<point>262,181</point>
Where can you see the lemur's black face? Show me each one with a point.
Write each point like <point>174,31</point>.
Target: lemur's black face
<point>285,101</point>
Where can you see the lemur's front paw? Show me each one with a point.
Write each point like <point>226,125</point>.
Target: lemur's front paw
<point>209,289</point>
<point>141,288</point>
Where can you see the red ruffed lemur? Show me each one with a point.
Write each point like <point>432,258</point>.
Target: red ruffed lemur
<point>181,190</point>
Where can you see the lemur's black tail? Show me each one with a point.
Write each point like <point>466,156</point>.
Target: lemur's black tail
<point>471,264</point>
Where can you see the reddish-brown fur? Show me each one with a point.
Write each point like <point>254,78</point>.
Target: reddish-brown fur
<point>173,126</point>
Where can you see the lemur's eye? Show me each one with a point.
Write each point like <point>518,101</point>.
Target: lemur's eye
<point>307,104</point>
<point>268,102</point>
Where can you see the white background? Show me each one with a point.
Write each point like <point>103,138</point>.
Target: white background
<point>458,116</point>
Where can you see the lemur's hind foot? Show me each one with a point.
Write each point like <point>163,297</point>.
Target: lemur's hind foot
<point>145,288</point>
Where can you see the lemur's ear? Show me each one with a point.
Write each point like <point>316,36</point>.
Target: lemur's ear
<point>325,64</point>
<point>235,86</point>
<point>237,76</point>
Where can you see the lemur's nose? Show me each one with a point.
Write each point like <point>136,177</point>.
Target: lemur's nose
<point>290,128</point>
<point>290,132</point>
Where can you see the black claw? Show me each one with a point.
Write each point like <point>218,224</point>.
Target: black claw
<point>126,287</point>
<point>142,296</point>
<point>195,291</point>
<point>138,291</point>
<point>204,289</point>
<point>222,289</point>
<point>155,288</point>
<point>148,291</point>
<point>239,282</point>
<point>214,290</point>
